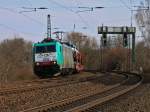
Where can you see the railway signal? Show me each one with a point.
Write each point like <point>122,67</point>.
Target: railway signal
<point>125,40</point>
<point>123,30</point>
<point>104,39</point>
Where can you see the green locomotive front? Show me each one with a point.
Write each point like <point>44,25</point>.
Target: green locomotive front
<point>51,57</point>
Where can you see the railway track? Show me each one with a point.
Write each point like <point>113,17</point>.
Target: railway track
<point>43,83</point>
<point>87,102</point>
<point>20,84</point>
<point>26,98</point>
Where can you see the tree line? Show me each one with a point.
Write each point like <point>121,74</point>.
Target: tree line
<point>16,54</point>
<point>16,60</point>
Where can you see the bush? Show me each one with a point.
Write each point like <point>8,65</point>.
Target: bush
<point>16,60</point>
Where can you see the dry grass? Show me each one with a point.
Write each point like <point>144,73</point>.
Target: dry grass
<point>25,73</point>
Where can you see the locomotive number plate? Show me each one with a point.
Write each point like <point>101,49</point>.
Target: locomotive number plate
<point>45,59</point>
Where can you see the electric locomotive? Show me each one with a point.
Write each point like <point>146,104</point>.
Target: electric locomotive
<point>52,56</point>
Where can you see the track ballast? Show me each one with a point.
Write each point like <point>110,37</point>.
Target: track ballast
<point>88,101</point>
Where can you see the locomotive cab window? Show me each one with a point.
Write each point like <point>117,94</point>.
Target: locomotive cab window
<point>45,49</point>
<point>51,48</point>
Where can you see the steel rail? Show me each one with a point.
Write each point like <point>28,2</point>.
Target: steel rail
<point>106,98</point>
<point>31,81</point>
<point>60,104</point>
<point>44,86</point>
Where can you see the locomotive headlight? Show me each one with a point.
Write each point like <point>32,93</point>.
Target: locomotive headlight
<point>37,64</point>
<point>54,62</point>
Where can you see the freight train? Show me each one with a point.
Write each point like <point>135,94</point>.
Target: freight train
<point>52,56</point>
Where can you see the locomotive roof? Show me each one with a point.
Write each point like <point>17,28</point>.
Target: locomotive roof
<point>48,41</point>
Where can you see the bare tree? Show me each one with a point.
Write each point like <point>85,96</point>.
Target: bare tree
<point>16,60</point>
<point>143,47</point>
<point>143,21</point>
<point>143,55</point>
<point>88,46</point>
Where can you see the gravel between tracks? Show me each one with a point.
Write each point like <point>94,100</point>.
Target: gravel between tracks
<point>15,102</point>
<point>28,83</point>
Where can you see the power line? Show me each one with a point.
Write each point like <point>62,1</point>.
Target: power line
<point>117,20</point>
<point>88,9</point>
<point>130,8</point>
<point>14,30</point>
<point>32,19</point>
<point>125,4</point>
<point>29,2</point>
<point>28,17</point>
<point>69,9</point>
<point>60,5</point>
<point>81,18</point>
<point>131,4</point>
<point>5,26</point>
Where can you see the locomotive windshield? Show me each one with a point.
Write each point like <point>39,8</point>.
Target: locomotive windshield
<point>45,49</point>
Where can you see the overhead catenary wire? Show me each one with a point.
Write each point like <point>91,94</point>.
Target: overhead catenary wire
<point>32,19</point>
<point>26,16</point>
<point>60,5</point>
<point>80,15</point>
<point>29,2</point>
<point>69,9</point>
<point>130,8</point>
<point>15,30</point>
<point>125,5</point>
<point>63,5</point>
<point>117,20</point>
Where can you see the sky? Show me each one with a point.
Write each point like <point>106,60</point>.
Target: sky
<point>17,21</point>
